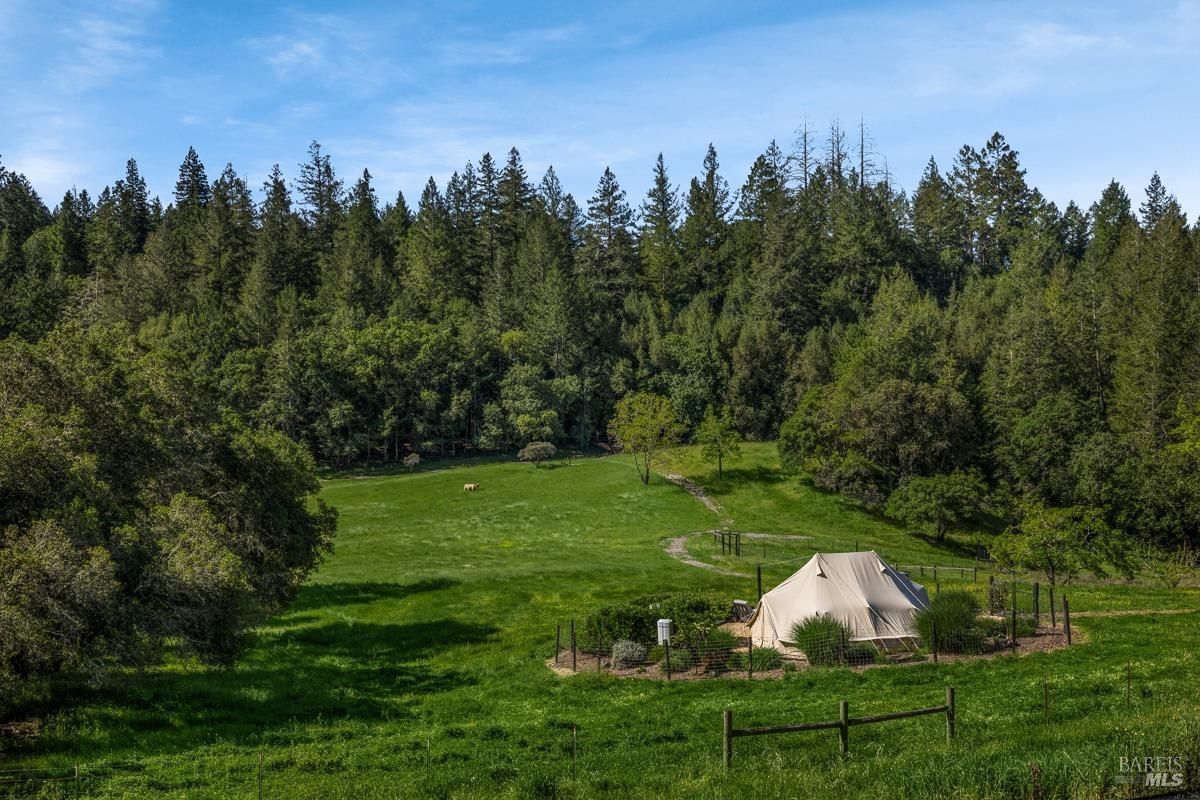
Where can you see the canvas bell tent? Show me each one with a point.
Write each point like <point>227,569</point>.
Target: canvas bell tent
<point>859,589</point>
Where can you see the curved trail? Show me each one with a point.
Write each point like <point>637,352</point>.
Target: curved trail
<point>676,547</point>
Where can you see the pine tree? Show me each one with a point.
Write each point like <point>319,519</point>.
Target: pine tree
<point>609,263</point>
<point>191,188</point>
<point>1155,206</point>
<point>703,235</point>
<point>321,192</point>
<point>658,242</point>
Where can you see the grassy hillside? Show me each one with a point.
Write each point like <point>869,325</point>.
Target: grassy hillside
<point>412,666</point>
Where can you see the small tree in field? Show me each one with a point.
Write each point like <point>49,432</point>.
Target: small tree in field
<point>537,452</point>
<point>645,425</point>
<point>719,439</point>
<point>1169,567</point>
<point>411,461</point>
<point>1059,543</point>
<point>938,503</point>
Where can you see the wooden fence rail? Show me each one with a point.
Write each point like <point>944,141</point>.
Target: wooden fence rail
<point>842,724</point>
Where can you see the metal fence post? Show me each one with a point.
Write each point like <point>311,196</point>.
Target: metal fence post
<point>667,645</point>
<point>1037,603</point>
<point>573,651</point>
<point>557,642</point>
<point>727,737</point>
<point>760,581</point>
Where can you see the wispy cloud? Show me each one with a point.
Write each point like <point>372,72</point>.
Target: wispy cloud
<point>107,41</point>
<point>330,49</point>
<point>517,47</point>
<point>1050,39</point>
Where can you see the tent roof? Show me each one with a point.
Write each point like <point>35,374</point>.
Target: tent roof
<point>859,589</point>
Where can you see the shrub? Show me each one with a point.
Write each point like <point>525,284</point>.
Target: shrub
<point>695,615</point>
<point>717,646</point>
<point>537,452</point>
<point>627,654</point>
<point>951,614</point>
<point>824,640</point>
<point>859,654</point>
<point>681,658</point>
<point>617,621</point>
<point>763,659</point>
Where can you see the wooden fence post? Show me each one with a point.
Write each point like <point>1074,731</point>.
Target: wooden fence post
<point>935,580</point>
<point>760,581</point>
<point>949,714</point>
<point>573,644</point>
<point>1067,619</point>
<point>844,729</point>
<point>727,749</point>
<point>974,574</point>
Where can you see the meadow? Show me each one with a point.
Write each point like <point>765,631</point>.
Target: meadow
<point>412,665</point>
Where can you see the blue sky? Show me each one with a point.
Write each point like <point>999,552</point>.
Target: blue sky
<point>1085,91</point>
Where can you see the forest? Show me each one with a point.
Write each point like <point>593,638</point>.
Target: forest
<point>171,368</point>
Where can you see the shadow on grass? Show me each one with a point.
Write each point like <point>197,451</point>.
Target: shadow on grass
<point>950,546</point>
<point>328,595</point>
<point>289,677</point>
<point>738,477</point>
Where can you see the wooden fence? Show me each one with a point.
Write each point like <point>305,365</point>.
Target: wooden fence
<point>842,724</point>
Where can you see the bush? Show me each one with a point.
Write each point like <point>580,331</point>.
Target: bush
<point>609,623</point>
<point>537,452</point>
<point>824,640</point>
<point>627,654</point>
<point>763,659</point>
<point>695,615</point>
<point>717,647</point>
<point>951,614</point>
<point>681,658</point>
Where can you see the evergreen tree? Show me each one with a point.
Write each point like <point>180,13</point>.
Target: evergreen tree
<point>703,235</point>
<point>191,188</point>
<point>658,242</point>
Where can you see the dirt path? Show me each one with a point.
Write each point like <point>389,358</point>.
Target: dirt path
<point>697,491</point>
<point>677,548</point>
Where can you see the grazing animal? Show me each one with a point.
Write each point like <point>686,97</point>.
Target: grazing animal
<point>470,487</point>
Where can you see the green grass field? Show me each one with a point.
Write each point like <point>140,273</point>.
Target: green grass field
<point>412,666</point>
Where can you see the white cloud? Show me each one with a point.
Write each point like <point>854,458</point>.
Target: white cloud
<point>109,40</point>
<point>518,47</point>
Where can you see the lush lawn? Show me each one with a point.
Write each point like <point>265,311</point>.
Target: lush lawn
<point>412,666</point>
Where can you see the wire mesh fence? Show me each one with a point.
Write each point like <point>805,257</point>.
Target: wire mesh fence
<point>733,649</point>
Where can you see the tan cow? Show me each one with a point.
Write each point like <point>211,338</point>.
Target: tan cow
<point>470,487</point>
